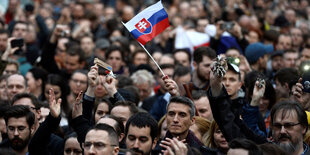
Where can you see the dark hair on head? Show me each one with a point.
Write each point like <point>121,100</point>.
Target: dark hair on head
<point>114,48</point>
<point>19,111</point>
<point>124,81</point>
<point>245,144</point>
<point>76,50</point>
<point>287,75</point>
<point>142,120</point>
<point>287,107</point>
<point>132,106</point>
<point>113,137</point>
<point>34,100</point>
<point>4,77</point>
<point>135,97</point>
<point>271,149</point>
<point>183,100</point>
<point>39,73</point>
<point>186,51</point>
<point>71,135</point>
<point>203,51</point>
<point>3,108</point>
<point>181,71</point>
<point>290,51</point>
<point>197,94</point>
<point>119,126</point>
<point>137,51</point>
<point>102,101</point>
<point>55,79</point>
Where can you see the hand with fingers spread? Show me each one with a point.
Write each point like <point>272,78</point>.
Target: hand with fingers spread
<point>171,86</point>
<point>174,147</point>
<point>258,92</point>
<point>77,109</point>
<point>55,106</point>
<point>110,85</point>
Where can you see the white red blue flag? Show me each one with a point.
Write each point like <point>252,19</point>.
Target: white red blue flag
<point>148,23</point>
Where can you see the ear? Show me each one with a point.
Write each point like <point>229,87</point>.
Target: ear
<point>154,143</point>
<point>286,86</point>
<point>82,64</point>
<point>195,65</point>
<point>193,121</point>
<point>116,150</point>
<point>39,82</point>
<point>121,137</point>
<point>32,129</point>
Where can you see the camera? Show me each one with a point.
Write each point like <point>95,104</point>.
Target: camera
<point>304,69</point>
<point>17,43</point>
<point>227,26</point>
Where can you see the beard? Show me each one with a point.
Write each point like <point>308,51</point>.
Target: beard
<point>138,151</point>
<point>200,76</point>
<point>19,144</point>
<point>290,146</point>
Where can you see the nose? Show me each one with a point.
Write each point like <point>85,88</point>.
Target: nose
<point>282,130</point>
<point>16,133</point>
<point>136,144</point>
<point>175,118</point>
<point>92,150</point>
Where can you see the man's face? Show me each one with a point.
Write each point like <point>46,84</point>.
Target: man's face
<point>122,112</point>
<point>296,36</point>
<point>290,59</point>
<point>182,58</point>
<point>288,138</point>
<point>281,90</point>
<point>18,133</point>
<point>20,31</point>
<point>78,83</point>
<point>3,41</point>
<point>277,63</point>
<point>178,119</point>
<point>203,108</point>
<point>203,68</point>
<point>232,83</point>
<point>139,140</point>
<point>15,85</point>
<point>284,43</point>
<point>10,69</point>
<point>72,63</point>
<point>140,58</point>
<point>115,60</point>
<point>305,54</point>
<point>97,142</point>
<point>145,90</point>
<point>87,45</point>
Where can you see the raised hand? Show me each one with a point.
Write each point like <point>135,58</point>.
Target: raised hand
<point>173,147</point>
<point>171,86</point>
<point>93,76</point>
<point>297,91</point>
<point>77,109</point>
<point>9,50</point>
<point>258,92</point>
<point>55,106</point>
<point>110,85</point>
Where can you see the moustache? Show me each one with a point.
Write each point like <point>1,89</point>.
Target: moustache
<point>137,150</point>
<point>282,136</point>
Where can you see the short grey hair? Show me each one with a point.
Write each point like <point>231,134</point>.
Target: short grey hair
<point>183,100</point>
<point>143,76</point>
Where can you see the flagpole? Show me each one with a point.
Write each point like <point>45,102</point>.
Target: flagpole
<point>164,75</point>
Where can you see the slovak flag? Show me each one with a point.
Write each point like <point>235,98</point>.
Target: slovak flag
<point>148,23</point>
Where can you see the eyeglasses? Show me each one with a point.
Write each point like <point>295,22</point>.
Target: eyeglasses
<point>287,126</point>
<point>75,151</point>
<point>97,145</point>
<point>20,129</point>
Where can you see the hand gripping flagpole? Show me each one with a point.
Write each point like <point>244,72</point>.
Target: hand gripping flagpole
<point>164,75</point>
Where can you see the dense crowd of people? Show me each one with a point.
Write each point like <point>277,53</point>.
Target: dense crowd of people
<point>234,78</point>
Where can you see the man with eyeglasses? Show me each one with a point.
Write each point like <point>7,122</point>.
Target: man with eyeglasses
<point>20,126</point>
<point>101,140</point>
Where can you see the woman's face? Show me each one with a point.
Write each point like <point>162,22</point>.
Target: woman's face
<point>263,105</point>
<point>31,82</point>
<point>56,88</point>
<point>219,140</point>
<point>102,110</point>
<point>72,146</point>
